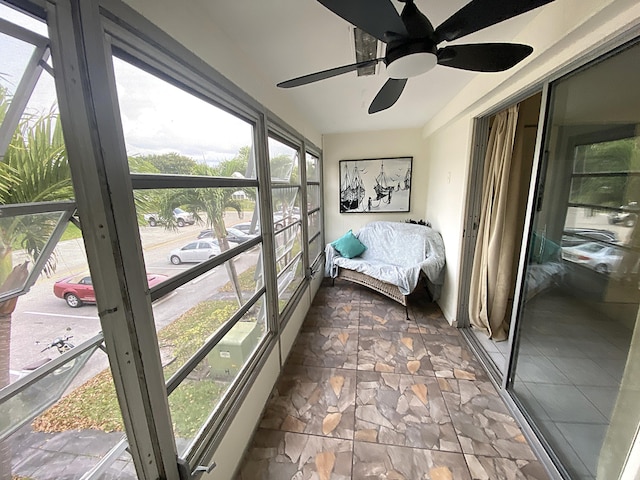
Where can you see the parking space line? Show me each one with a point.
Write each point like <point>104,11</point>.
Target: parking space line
<point>202,277</point>
<point>62,315</point>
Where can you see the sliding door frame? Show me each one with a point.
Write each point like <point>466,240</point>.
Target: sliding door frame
<point>503,382</point>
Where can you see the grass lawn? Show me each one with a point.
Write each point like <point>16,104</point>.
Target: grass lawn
<point>246,280</point>
<point>71,232</point>
<point>93,405</point>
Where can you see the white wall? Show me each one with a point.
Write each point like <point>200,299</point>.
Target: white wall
<point>572,30</point>
<point>563,32</point>
<point>382,144</point>
<point>449,150</point>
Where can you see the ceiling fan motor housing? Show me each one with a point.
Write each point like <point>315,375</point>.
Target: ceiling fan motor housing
<point>415,53</point>
<point>411,41</point>
<point>410,57</point>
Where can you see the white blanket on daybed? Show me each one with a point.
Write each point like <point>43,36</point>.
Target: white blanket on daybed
<point>396,253</point>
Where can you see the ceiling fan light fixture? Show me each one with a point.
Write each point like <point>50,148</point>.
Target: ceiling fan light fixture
<point>410,59</point>
<point>412,65</point>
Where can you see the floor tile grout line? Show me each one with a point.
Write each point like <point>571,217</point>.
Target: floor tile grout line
<point>487,456</point>
<point>315,435</point>
<point>355,400</point>
<point>455,429</point>
<point>340,314</point>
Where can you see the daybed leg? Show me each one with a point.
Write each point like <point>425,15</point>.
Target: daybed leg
<point>406,310</point>
<point>333,281</point>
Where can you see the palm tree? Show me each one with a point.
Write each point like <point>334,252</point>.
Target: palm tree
<point>212,202</point>
<point>33,169</point>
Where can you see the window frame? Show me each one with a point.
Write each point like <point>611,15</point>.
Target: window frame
<point>34,68</point>
<point>289,139</point>
<point>193,82</point>
<point>313,264</point>
<point>84,37</point>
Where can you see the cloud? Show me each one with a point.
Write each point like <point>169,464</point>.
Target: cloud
<point>158,117</point>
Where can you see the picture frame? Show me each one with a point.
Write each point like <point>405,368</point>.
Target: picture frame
<point>375,185</point>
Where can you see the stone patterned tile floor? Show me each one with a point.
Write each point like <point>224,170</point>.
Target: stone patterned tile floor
<point>366,394</point>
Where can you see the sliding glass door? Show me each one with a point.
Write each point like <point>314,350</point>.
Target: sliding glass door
<point>577,343</point>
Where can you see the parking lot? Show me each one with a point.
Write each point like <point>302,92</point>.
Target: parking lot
<point>40,317</point>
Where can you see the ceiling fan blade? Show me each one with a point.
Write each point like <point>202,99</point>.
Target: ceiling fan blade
<point>332,72</point>
<point>388,94</point>
<point>479,14</point>
<point>376,17</point>
<point>483,57</point>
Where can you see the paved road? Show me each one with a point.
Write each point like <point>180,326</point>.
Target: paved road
<point>40,316</point>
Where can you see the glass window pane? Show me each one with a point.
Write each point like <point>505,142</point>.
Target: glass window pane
<point>578,329</point>
<point>171,220</point>
<point>15,57</point>
<point>193,312</point>
<point>43,102</point>
<point>287,244</point>
<point>597,190</point>
<point>23,239</point>
<point>609,156</point>
<point>289,279</point>
<point>315,248</point>
<point>313,168</point>
<point>313,197</point>
<point>42,393</point>
<point>286,206</point>
<point>30,174</point>
<point>168,130</point>
<point>314,223</point>
<point>25,21</point>
<point>200,394</point>
<point>283,162</point>
<point>88,407</point>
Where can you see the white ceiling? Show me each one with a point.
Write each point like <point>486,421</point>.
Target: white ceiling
<point>289,38</point>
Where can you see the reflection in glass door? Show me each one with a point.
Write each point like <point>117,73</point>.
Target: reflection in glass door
<point>573,374</point>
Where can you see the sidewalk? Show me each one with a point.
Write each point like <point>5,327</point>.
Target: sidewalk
<point>66,456</point>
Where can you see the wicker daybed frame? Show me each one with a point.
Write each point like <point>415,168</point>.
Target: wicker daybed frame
<point>387,289</point>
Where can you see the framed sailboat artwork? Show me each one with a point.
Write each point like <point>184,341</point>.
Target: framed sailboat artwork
<point>375,185</point>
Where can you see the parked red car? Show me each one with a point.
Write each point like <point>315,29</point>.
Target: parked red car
<point>78,289</point>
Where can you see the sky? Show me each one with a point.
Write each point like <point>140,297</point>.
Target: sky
<point>157,117</point>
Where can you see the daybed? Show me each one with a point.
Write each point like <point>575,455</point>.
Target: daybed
<point>545,268</point>
<point>395,256</point>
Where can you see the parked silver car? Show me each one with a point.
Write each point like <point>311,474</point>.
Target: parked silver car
<point>195,252</point>
<point>233,235</point>
<point>599,257</point>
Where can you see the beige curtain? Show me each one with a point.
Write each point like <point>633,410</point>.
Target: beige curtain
<point>492,274</point>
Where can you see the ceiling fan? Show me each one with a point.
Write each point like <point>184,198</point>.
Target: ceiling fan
<point>412,42</point>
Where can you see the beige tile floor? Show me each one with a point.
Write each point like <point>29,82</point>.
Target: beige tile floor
<point>366,394</point>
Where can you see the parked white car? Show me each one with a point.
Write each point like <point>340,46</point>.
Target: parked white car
<point>195,252</point>
<point>181,218</point>
<point>599,257</point>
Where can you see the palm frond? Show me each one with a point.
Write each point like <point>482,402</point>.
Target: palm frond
<point>34,169</point>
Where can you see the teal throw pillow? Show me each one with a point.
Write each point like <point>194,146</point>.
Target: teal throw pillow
<point>348,245</point>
